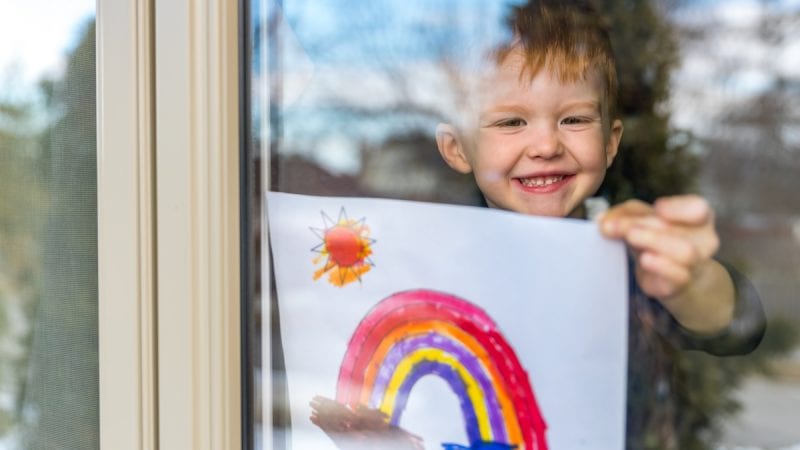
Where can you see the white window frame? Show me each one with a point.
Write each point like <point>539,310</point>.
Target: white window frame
<point>126,237</point>
<point>168,224</point>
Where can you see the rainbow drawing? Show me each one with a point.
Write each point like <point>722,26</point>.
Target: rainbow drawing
<point>416,333</point>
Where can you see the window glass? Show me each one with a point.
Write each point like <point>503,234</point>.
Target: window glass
<point>48,226</point>
<point>345,99</point>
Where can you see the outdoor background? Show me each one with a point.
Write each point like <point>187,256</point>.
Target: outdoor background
<point>349,95</point>
<point>48,226</point>
<point>712,105</point>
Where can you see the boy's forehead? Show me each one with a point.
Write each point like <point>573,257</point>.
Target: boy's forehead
<point>512,75</point>
<point>566,67</point>
<point>495,80</point>
<point>513,63</point>
<point>511,69</point>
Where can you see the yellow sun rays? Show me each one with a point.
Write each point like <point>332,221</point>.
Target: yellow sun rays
<point>344,251</point>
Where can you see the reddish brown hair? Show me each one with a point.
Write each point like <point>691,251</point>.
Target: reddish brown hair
<point>568,37</point>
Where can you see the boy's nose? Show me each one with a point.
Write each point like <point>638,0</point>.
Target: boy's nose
<point>543,143</point>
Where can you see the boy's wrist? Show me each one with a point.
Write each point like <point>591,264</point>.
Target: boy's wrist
<point>706,305</point>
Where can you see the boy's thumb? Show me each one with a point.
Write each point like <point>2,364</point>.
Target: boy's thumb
<point>687,209</point>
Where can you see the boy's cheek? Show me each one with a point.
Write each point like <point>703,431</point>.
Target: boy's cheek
<point>487,177</point>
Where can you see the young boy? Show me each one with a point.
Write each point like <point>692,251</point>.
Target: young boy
<point>544,133</point>
<point>543,136</point>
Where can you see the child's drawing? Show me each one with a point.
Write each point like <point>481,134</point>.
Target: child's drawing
<point>472,312</point>
<point>418,333</point>
<point>345,249</point>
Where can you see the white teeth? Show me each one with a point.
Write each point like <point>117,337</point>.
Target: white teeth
<point>541,181</point>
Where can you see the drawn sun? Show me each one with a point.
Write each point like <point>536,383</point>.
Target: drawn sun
<point>345,249</point>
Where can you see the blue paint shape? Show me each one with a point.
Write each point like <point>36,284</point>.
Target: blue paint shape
<point>480,446</point>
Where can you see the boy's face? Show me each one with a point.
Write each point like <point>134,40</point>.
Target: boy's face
<point>539,147</point>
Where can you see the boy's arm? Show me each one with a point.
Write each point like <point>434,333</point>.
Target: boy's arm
<point>746,329</point>
<point>673,242</point>
<point>705,306</point>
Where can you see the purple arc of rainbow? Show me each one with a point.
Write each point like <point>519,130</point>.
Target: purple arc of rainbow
<point>462,354</point>
<point>451,376</point>
<point>417,333</point>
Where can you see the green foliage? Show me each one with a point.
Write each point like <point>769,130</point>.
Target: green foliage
<point>654,160</point>
<point>48,260</point>
<point>22,202</point>
<point>62,388</point>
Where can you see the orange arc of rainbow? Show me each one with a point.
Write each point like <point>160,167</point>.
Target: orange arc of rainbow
<point>452,331</point>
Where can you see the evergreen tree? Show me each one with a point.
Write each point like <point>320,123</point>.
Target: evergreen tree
<point>654,160</point>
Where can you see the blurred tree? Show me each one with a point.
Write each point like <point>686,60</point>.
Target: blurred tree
<point>654,161</point>
<point>61,396</point>
<point>374,70</point>
<point>22,202</point>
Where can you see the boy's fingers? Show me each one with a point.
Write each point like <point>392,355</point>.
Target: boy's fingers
<point>665,244</point>
<point>629,208</point>
<point>616,222</point>
<point>620,227</point>
<point>684,209</point>
<point>661,277</point>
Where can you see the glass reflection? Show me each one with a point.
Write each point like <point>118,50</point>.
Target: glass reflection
<point>709,90</point>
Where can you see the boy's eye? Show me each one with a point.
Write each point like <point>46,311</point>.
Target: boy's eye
<point>578,120</point>
<point>515,122</point>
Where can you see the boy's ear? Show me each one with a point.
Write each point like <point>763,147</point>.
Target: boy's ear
<point>451,147</point>
<point>614,138</point>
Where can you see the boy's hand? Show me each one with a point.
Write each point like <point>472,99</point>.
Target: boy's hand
<point>673,242</point>
<point>361,428</point>
<point>670,239</point>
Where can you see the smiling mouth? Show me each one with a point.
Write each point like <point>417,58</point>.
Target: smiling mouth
<point>541,181</point>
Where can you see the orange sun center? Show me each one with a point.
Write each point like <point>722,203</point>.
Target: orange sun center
<point>345,250</point>
<point>344,246</point>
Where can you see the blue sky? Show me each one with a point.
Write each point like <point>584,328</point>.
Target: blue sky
<point>354,40</point>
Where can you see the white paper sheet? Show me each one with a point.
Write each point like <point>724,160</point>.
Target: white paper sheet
<point>553,290</point>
